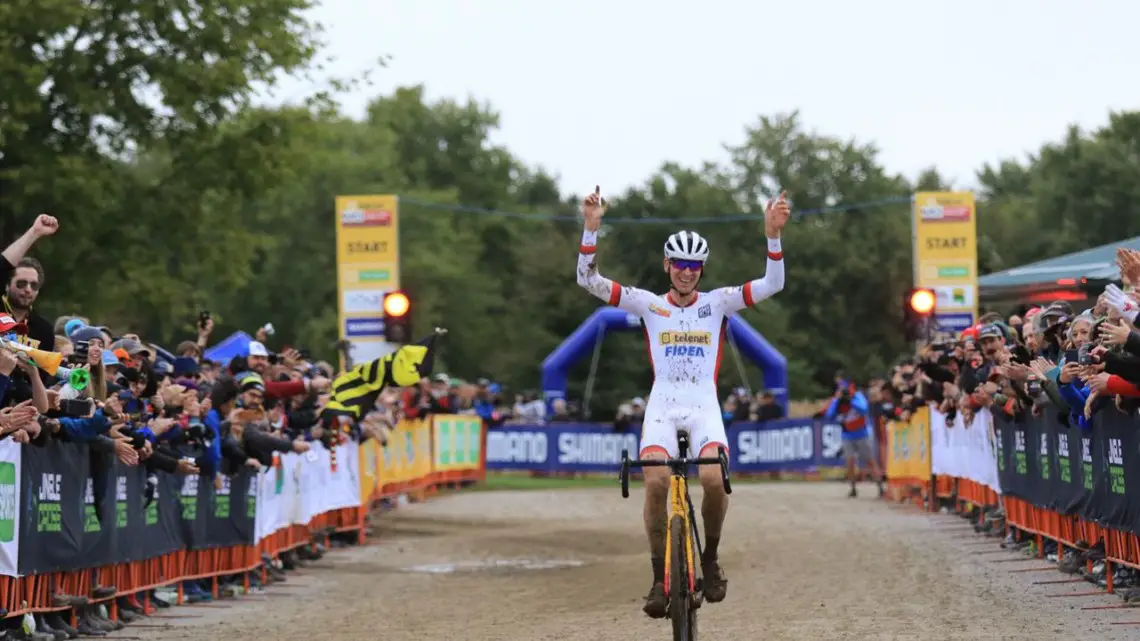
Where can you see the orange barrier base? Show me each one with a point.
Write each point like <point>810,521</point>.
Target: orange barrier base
<point>1121,548</point>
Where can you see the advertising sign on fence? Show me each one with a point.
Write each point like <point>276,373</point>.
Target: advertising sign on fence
<point>908,447</point>
<point>964,450</point>
<point>88,506</point>
<point>1084,473</point>
<point>9,507</point>
<point>458,442</point>
<point>796,445</point>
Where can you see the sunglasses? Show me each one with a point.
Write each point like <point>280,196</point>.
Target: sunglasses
<point>688,265</point>
<point>23,284</point>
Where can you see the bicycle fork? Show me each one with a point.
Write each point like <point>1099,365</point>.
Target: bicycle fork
<point>681,504</point>
<point>695,584</point>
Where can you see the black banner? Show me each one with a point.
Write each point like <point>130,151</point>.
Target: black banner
<point>84,509</point>
<point>230,519</point>
<point>1084,473</point>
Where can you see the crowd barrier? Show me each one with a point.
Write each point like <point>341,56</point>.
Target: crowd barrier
<point>72,518</point>
<point>791,445</point>
<point>1054,480</point>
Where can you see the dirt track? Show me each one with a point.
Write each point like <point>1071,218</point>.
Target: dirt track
<point>803,563</point>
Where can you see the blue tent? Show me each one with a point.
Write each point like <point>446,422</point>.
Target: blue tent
<point>236,344</point>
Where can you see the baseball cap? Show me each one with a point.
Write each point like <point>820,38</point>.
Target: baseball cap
<point>991,331</point>
<point>86,334</point>
<point>110,360</point>
<point>72,325</point>
<point>252,381</point>
<point>132,347</point>
<point>9,324</point>
<point>185,366</point>
<point>257,349</point>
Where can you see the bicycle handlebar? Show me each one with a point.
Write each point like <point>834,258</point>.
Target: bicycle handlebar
<point>628,463</point>
<point>656,462</point>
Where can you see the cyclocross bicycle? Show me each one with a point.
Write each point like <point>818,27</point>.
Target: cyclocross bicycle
<point>682,540</point>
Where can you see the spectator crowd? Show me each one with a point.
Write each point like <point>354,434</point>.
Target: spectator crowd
<point>1052,360</point>
<point>172,412</point>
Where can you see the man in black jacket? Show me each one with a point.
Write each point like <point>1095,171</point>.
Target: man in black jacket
<point>23,277</point>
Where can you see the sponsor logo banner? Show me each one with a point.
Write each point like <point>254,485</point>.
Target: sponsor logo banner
<point>787,446</point>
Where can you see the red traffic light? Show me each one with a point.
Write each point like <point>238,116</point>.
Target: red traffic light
<point>922,301</point>
<point>396,304</point>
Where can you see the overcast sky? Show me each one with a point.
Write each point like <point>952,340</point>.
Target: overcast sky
<point>604,92</point>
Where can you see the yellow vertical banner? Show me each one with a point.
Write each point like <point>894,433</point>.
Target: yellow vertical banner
<point>946,254</point>
<point>421,444</point>
<point>395,455</point>
<point>368,265</point>
<point>908,447</point>
<point>369,465</point>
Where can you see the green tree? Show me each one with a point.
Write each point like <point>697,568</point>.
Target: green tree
<point>132,123</point>
<point>1071,195</point>
<point>848,269</point>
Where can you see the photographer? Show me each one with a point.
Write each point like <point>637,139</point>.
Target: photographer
<point>850,408</point>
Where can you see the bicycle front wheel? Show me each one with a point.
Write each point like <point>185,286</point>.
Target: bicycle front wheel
<point>680,597</point>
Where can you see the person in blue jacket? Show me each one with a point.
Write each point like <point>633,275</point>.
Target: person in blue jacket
<point>1069,384</point>
<point>850,408</point>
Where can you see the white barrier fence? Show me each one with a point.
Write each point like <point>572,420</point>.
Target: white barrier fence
<point>966,451</point>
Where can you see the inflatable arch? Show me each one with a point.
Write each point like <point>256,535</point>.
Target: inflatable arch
<point>581,343</point>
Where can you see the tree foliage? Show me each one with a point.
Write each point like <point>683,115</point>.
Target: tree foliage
<point>132,123</point>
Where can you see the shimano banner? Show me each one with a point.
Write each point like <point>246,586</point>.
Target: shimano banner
<point>792,445</point>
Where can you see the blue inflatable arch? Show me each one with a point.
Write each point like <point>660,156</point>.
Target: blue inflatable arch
<point>607,319</point>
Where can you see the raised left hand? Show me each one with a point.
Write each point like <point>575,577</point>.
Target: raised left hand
<point>45,226</point>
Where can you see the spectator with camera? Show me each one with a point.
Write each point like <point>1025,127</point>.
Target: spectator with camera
<point>851,409</point>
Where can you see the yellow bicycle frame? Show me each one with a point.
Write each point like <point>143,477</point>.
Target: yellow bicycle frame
<point>678,507</point>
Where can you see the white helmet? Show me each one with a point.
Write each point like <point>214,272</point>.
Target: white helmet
<point>687,245</point>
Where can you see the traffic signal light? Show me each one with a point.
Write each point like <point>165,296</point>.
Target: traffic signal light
<point>918,313</point>
<point>397,317</point>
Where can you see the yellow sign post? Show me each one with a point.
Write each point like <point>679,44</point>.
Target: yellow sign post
<point>946,254</point>
<point>368,265</point>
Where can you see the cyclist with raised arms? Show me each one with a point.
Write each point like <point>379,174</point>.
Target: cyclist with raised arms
<point>685,329</point>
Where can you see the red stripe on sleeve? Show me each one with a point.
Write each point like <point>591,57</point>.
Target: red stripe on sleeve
<point>1123,387</point>
<point>587,249</point>
<point>615,293</point>
<point>775,255</point>
<point>748,301</point>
